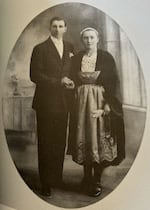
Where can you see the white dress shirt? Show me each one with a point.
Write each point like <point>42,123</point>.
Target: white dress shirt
<point>59,45</point>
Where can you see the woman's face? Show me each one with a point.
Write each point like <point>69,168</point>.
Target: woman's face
<point>90,39</point>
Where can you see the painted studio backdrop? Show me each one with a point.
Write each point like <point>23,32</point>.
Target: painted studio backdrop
<point>18,116</point>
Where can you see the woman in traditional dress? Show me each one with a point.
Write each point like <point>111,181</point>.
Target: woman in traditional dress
<point>96,123</point>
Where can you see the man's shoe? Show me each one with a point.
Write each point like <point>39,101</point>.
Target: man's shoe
<point>46,191</point>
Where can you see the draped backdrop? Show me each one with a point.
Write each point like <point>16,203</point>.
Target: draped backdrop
<point>17,97</point>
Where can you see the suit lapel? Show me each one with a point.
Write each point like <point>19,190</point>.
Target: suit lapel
<point>65,53</point>
<point>53,51</point>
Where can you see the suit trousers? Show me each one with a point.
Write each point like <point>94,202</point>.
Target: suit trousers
<point>51,131</point>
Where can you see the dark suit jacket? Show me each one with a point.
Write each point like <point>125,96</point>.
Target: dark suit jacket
<point>46,71</point>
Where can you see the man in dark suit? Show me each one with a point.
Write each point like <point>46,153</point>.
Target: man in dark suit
<point>49,62</point>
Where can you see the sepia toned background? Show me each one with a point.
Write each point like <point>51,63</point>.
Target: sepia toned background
<point>19,89</point>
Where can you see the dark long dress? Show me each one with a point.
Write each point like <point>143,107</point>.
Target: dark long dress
<point>87,139</point>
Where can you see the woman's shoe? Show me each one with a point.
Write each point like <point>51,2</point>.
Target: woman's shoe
<point>97,190</point>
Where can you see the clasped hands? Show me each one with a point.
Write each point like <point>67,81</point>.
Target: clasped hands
<point>67,83</point>
<point>101,112</point>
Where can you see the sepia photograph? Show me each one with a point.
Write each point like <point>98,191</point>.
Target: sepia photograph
<point>74,105</point>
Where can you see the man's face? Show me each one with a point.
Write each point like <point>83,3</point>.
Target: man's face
<point>58,28</point>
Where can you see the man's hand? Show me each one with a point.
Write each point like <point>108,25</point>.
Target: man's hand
<point>67,83</point>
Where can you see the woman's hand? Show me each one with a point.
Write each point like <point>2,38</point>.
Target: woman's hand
<point>106,109</point>
<point>97,113</point>
<point>67,83</point>
<point>101,112</point>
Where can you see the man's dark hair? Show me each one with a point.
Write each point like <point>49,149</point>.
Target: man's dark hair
<point>58,19</point>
